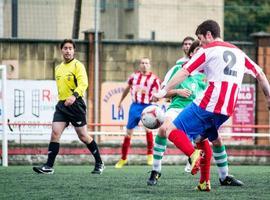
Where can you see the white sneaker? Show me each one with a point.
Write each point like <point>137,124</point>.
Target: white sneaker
<point>188,167</point>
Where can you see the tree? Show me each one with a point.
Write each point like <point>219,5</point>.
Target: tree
<point>243,17</point>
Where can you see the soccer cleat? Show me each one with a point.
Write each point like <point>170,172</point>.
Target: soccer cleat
<point>188,166</point>
<point>153,178</point>
<point>44,169</point>
<point>230,181</point>
<point>120,163</point>
<point>195,161</point>
<point>99,168</point>
<point>150,159</point>
<point>205,186</point>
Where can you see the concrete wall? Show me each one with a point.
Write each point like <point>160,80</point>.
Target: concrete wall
<point>34,59</point>
<point>119,60</point>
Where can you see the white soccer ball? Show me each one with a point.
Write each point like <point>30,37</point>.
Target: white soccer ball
<point>152,117</point>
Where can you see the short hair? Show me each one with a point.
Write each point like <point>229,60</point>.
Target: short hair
<point>67,41</point>
<point>193,46</point>
<point>187,38</point>
<point>209,25</point>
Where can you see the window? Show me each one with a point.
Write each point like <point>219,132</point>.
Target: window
<point>19,102</point>
<point>130,4</point>
<point>35,103</point>
<point>102,5</point>
<point>129,36</point>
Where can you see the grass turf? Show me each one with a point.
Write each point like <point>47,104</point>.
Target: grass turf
<point>76,182</point>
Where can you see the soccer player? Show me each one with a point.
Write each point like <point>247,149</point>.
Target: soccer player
<point>186,43</point>
<point>72,82</point>
<point>224,65</point>
<point>141,84</point>
<point>182,95</point>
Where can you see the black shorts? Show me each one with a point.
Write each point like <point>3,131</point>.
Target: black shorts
<point>74,114</point>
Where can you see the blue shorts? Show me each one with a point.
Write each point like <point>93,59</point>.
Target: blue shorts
<point>195,121</point>
<point>134,115</point>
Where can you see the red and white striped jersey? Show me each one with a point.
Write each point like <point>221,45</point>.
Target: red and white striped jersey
<point>143,86</point>
<point>224,65</point>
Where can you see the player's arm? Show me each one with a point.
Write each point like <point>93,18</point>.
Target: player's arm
<point>197,62</point>
<point>180,92</point>
<point>81,82</point>
<point>253,69</point>
<point>265,86</point>
<point>124,94</point>
<point>179,77</point>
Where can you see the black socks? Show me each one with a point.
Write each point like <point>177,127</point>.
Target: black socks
<point>93,148</point>
<point>52,153</point>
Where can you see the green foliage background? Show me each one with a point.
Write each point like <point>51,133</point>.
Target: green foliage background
<point>243,17</point>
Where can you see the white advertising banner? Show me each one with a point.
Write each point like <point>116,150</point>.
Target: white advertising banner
<point>29,103</point>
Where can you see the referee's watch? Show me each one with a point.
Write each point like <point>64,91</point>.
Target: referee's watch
<point>76,94</point>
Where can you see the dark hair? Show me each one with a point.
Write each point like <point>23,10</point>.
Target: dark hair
<point>193,46</point>
<point>187,38</point>
<point>209,25</point>
<point>67,41</point>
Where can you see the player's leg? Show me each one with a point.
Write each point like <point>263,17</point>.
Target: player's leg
<point>149,146</point>
<point>205,165</point>
<point>92,147</point>
<point>53,149</point>
<point>221,160</point>
<point>187,122</point>
<point>124,149</point>
<point>219,152</point>
<point>134,117</point>
<point>159,149</point>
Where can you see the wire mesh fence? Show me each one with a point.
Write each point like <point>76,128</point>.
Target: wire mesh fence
<point>132,19</point>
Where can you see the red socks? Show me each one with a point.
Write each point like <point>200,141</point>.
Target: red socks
<point>181,141</point>
<point>150,142</point>
<point>125,147</point>
<point>126,144</point>
<point>205,161</point>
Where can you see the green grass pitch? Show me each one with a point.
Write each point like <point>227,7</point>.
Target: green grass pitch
<point>76,182</point>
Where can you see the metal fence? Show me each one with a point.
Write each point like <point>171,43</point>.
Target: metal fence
<point>131,19</point>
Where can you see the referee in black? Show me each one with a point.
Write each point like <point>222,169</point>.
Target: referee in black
<point>72,82</point>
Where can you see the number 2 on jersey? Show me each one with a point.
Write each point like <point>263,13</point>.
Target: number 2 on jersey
<point>230,59</point>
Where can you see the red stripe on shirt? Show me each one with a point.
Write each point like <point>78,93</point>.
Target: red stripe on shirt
<point>138,83</point>
<point>154,85</point>
<point>219,43</point>
<point>196,63</point>
<point>147,78</point>
<point>207,95</point>
<point>232,102</point>
<point>145,84</point>
<point>221,98</point>
<point>250,67</point>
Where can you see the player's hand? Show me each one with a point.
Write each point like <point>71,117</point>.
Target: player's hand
<point>184,92</point>
<point>160,94</point>
<point>70,100</point>
<point>119,106</point>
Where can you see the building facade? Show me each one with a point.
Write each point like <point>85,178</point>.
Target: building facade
<point>119,19</point>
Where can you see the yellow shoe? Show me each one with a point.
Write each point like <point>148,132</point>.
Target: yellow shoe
<point>120,163</point>
<point>195,161</point>
<point>205,186</point>
<point>150,159</point>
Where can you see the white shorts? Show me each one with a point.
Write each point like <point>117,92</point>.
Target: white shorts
<point>173,113</point>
